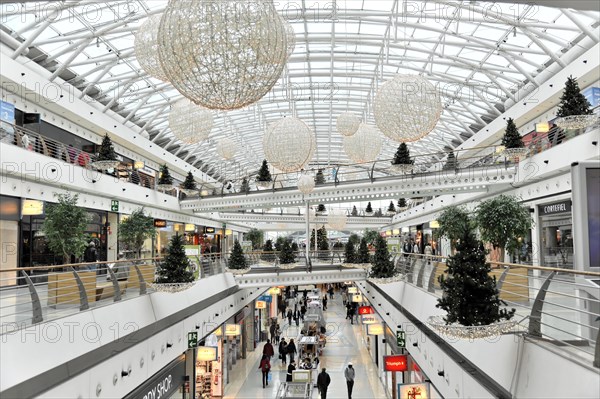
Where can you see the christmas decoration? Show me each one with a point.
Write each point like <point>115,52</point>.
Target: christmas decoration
<point>237,260</point>
<point>146,47</point>
<point>451,163</point>
<point>347,124</point>
<point>190,123</point>
<point>319,177</point>
<point>354,211</point>
<point>268,252</point>
<point>402,204</point>
<point>349,254</point>
<point>289,144</point>
<point>306,183</point>
<point>512,141</point>
<point>107,158</point>
<point>245,186</point>
<point>226,148</point>
<point>391,211</point>
<point>286,255</point>
<point>369,210</point>
<point>402,162</point>
<point>321,210</point>
<point>574,110</point>
<point>365,145</point>
<point>382,266</point>
<point>165,181</point>
<point>337,219</point>
<point>175,269</point>
<point>363,252</point>
<point>189,186</point>
<point>264,179</point>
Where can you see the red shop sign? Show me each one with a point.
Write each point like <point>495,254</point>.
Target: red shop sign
<point>365,310</point>
<point>396,363</point>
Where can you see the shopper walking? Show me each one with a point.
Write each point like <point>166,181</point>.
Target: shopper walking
<point>265,367</point>
<point>290,370</point>
<point>272,328</point>
<point>289,316</point>
<point>344,298</point>
<point>297,317</point>
<point>277,333</point>
<point>282,351</point>
<point>323,381</point>
<point>291,350</point>
<point>268,350</point>
<point>349,373</point>
<point>325,302</point>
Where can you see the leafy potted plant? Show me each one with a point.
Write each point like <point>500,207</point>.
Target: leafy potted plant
<point>174,272</point>
<point>319,177</point>
<point>574,110</point>
<point>391,211</point>
<point>189,186</point>
<point>382,270</point>
<point>369,210</point>
<point>135,230</point>
<point>287,257</point>
<point>264,179</point>
<point>237,263</point>
<point>256,237</point>
<point>453,222</point>
<point>512,141</point>
<point>165,181</point>
<point>107,158</point>
<point>402,163</point>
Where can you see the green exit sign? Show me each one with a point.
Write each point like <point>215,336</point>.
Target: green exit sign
<point>114,206</point>
<point>192,339</point>
<point>401,339</point>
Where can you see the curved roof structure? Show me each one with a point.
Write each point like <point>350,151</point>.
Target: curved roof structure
<point>479,55</point>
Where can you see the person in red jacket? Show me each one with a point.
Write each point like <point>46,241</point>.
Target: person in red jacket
<point>265,367</point>
<point>268,350</point>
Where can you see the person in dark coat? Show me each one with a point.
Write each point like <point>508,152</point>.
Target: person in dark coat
<point>323,381</point>
<point>325,302</point>
<point>289,316</point>
<point>291,350</point>
<point>272,329</point>
<point>268,350</point>
<point>265,367</point>
<point>282,351</point>
<point>291,368</point>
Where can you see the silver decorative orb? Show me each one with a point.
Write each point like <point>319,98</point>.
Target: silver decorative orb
<point>407,108</point>
<point>337,219</point>
<point>222,54</point>
<point>146,47</point>
<point>289,144</point>
<point>227,148</point>
<point>189,122</point>
<point>347,124</point>
<point>306,184</point>
<point>364,145</point>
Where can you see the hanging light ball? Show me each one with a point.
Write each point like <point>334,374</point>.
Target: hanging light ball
<point>364,145</point>
<point>222,54</point>
<point>289,144</point>
<point>189,122</point>
<point>146,48</point>
<point>337,219</point>
<point>290,36</point>
<point>407,108</point>
<point>347,124</point>
<point>306,183</point>
<point>227,148</point>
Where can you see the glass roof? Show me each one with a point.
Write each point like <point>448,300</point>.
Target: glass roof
<point>477,53</point>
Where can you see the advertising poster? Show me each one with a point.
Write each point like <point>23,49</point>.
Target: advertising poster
<point>413,391</point>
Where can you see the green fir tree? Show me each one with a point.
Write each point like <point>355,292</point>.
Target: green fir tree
<point>369,208</point>
<point>268,250</point>
<point>237,260</point>
<point>512,138</point>
<point>349,252</point>
<point>321,208</point>
<point>295,246</point>
<point>286,255</point>
<point>354,239</point>
<point>402,203</point>
<point>263,173</point>
<point>322,240</point>
<point>354,211</point>
<point>245,187</point>
<point>382,267</point>
<point>175,267</point>
<point>391,209</point>
<point>451,163</point>
<point>165,175</point>
<point>470,296</point>
<point>319,177</point>
<point>189,183</point>
<point>402,156</point>
<point>107,151</point>
<point>572,102</point>
<point>363,252</point>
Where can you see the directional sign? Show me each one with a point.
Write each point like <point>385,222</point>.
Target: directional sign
<point>401,339</point>
<point>114,206</point>
<point>192,339</point>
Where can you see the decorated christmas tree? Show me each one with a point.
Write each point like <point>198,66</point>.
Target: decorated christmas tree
<point>286,255</point>
<point>175,267</point>
<point>363,252</point>
<point>402,156</point>
<point>321,208</point>
<point>382,265</point>
<point>354,211</point>
<point>349,252</point>
<point>165,176</point>
<point>245,187</point>
<point>237,260</point>
<point>470,295</point>
<point>369,208</point>
<point>319,177</point>
<point>263,173</point>
<point>512,138</point>
<point>189,183</point>
<point>107,151</point>
<point>402,203</point>
<point>391,209</point>
<point>451,163</point>
<point>572,102</point>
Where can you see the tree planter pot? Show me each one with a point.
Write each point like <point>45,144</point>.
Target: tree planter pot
<point>456,330</point>
<point>390,213</point>
<point>164,187</point>
<point>264,184</point>
<point>105,165</point>
<point>288,266</point>
<point>171,287</point>
<point>515,152</point>
<point>386,280</point>
<point>576,121</point>
<point>237,272</point>
<point>188,192</point>
<point>369,213</point>
<point>363,266</point>
<point>402,168</point>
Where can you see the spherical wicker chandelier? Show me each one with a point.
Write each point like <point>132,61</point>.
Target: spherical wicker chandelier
<point>347,124</point>
<point>290,36</point>
<point>306,183</point>
<point>364,145</point>
<point>189,122</point>
<point>407,108</point>
<point>337,219</point>
<point>289,144</point>
<point>222,55</point>
<point>146,47</point>
<point>227,148</point>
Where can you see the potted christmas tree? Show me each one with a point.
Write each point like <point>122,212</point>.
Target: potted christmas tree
<point>323,243</point>
<point>391,211</point>
<point>245,187</point>
<point>402,162</point>
<point>574,110</point>
<point>451,163</point>
<point>354,211</point>
<point>512,141</point>
<point>237,263</point>
<point>268,252</point>
<point>319,177</point>
<point>402,205</point>
<point>369,210</point>
<point>165,181</point>
<point>363,258</point>
<point>189,186</point>
<point>321,210</point>
<point>287,257</point>
<point>107,158</point>
<point>382,270</point>
<point>264,179</point>
<point>174,272</point>
<point>349,255</point>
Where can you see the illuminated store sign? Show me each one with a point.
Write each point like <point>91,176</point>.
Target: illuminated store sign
<point>395,363</point>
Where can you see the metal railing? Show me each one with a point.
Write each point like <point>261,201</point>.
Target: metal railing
<point>553,305</point>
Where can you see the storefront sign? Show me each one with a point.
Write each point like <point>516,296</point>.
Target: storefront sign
<point>192,339</point>
<point>209,230</point>
<point>365,310</point>
<point>352,290</point>
<point>232,330</point>
<point>32,207</point>
<point>160,223</point>
<point>7,112</point>
<point>275,291</point>
<point>206,353</point>
<point>374,329</point>
<point>163,384</point>
<point>357,298</point>
<point>413,391</point>
<point>190,227</point>
<point>557,207</point>
<point>395,363</point>
<point>401,339</point>
<point>261,305</point>
<point>369,319</point>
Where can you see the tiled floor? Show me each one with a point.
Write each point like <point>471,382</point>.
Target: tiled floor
<point>345,344</point>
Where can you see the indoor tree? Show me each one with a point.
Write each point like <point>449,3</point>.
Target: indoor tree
<point>349,252</point>
<point>453,222</point>
<point>321,209</point>
<point>107,151</point>
<point>382,266</point>
<point>363,252</point>
<point>165,178</point>
<point>245,186</point>
<point>470,296</point>
<point>264,175</point>
<point>391,208</point>
<point>501,220</point>
<point>354,238</point>
<point>370,235</point>
<point>135,229</point>
<point>369,209</point>
<point>512,138</point>
<point>402,203</point>
<point>319,177</point>
<point>294,246</point>
<point>64,227</point>
<point>572,102</point>
<point>256,237</point>
<point>237,260</point>
<point>189,185</point>
<point>175,268</point>
<point>402,157</point>
<point>286,255</point>
<point>268,251</point>
<point>354,211</point>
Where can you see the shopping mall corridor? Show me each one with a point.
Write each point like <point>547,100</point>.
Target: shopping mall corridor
<point>345,343</point>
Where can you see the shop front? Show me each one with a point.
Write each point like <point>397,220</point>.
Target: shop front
<point>556,234</point>
<point>165,230</point>
<point>208,368</point>
<point>168,383</point>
